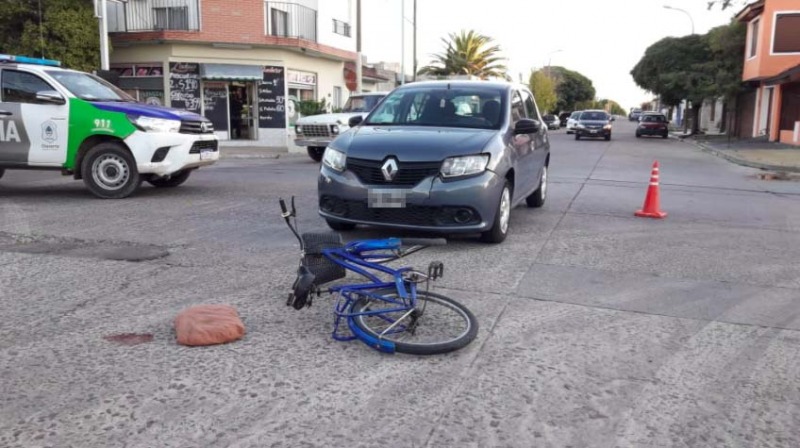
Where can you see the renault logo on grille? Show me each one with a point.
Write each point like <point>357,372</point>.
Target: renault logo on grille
<point>389,169</point>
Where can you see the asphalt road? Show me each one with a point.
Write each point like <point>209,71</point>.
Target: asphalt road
<point>597,328</point>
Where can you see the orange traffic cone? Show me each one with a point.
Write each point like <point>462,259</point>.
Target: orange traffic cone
<point>652,204</point>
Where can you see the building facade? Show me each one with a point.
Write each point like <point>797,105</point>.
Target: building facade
<point>243,64</point>
<point>771,107</point>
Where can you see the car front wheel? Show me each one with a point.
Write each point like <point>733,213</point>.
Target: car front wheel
<point>537,198</point>
<point>2,171</point>
<point>577,136</point>
<point>499,231</point>
<point>109,171</point>
<point>316,152</point>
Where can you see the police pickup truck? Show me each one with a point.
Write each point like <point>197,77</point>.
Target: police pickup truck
<point>52,118</point>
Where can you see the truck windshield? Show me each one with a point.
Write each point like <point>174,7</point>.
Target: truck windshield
<point>89,87</point>
<point>361,103</point>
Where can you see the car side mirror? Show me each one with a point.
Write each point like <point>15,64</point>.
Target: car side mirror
<point>355,121</point>
<point>526,126</point>
<point>50,97</point>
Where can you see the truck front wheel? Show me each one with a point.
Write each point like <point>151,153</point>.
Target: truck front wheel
<point>316,152</point>
<point>109,171</point>
<point>2,171</point>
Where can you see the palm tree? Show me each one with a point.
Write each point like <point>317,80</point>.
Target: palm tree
<point>467,53</point>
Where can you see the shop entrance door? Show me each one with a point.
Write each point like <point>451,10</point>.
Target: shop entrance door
<point>242,110</point>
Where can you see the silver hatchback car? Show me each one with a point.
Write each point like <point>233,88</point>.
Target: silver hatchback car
<point>439,156</point>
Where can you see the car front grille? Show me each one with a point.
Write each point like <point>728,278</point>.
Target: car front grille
<point>315,130</point>
<point>196,127</point>
<point>198,146</point>
<point>408,174</point>
<point>411,215</point>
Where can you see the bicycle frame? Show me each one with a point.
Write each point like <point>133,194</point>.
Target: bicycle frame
<point>356,257</point>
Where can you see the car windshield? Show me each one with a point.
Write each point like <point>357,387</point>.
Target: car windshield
<point>549,117</point>
<point>361,103</point>
<point>654,118</point>
<point>89,87</point>
<point>594,116</point>
<point>575,115</point>
<point>461,107</point>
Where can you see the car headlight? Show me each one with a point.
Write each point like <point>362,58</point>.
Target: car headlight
<point>334,129</point>
<point>150,124</point>
<point>334,159</point>
<point>464,166</point>
<point>607,127</point>
<point>298,129</point>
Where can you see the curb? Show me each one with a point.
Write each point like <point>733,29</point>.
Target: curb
<point>743,162</point>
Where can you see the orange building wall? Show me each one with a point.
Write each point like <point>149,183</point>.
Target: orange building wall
<point>763,64</point>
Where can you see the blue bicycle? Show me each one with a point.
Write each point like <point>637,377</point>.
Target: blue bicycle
<point>394,310</point>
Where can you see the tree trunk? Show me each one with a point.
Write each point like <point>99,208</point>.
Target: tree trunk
<point>723,121</point>
<point>696,117</point>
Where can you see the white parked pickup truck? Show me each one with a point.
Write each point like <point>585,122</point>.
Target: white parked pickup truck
<point>315,132</point>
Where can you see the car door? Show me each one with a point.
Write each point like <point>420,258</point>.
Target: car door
<point>34,130</point>
<point>523,146</point>
<point>541,143</point>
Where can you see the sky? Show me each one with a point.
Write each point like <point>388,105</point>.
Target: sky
<point>603,39</point>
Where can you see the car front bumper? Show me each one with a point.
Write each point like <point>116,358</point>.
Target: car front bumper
<point>584,132</point>
<point>652,131</point>
<point>432,205</point>
<point>321,142</point>
<point>183,151</point>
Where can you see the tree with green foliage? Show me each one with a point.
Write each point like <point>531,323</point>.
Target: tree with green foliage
<point>467,53</point>
<point>571,88</point>
<point>68,32</point>
<point>544,90</point>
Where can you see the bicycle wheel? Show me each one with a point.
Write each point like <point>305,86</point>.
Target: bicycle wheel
<point>439,324</point>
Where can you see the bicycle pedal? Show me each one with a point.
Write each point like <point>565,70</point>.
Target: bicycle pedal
<point>435,270</point>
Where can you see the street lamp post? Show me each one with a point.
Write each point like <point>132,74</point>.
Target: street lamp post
<point>683,11</point>
<point>550,59</point>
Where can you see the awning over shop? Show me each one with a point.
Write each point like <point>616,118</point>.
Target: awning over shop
<point>232,72</point>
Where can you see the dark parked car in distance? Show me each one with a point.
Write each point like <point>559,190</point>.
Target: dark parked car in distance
<point>439,156</point>
<point>653,124</point>
<point>553,122</point>
<point>563,116</point>
<point>594,124</point>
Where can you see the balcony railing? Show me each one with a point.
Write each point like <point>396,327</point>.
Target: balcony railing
<point>290,20</point>
<point>153,15</point>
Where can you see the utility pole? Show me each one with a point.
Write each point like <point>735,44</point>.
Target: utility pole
<point>402,42</point>
<point>414,76</point>
<point>100,11</point>
<point>358,47</point>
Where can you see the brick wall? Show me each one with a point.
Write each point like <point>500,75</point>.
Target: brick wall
<point>239,22</point>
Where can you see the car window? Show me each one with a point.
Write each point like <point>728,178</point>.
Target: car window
<point>530,105</point>
<point>517,108</point>
<point>361,103</point>
<point>594,116</point>
<point>22,87</point>
<point>575,115</point>
<point>468,107</point>
<point>89,87</point>
<point>654,118</point>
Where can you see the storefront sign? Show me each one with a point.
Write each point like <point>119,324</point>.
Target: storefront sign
<point>272,99</point>
<point>184,86</point>
<point>305,78</point>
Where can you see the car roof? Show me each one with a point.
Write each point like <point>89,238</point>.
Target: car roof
<point>369,94</point>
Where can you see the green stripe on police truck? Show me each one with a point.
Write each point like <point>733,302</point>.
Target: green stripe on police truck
<point>85,120</point>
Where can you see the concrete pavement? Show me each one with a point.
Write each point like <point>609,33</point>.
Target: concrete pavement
<point>597,328</point>
<point>754,153</point>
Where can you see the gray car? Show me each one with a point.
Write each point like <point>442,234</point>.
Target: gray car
<point>439,156</point>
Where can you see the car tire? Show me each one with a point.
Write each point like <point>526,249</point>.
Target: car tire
<point>638,135</point>
<point>316,152</point>
<point>499,231</point>
<point>173,181</point>
<point>607,137</point>
<point>665,135</point>
<point>2,171</point>
<point>537,198</point>
<point>109,171</point>
<point>577,136</point>
<point>340,226</point>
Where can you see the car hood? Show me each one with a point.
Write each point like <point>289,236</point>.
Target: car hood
<point>340,118</point>
<point>412,144</point>
<point>146,110</point>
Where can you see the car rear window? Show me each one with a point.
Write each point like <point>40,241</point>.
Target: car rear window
<point>654,118</point>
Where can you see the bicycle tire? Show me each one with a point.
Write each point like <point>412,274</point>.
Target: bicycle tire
<point>413,348</point>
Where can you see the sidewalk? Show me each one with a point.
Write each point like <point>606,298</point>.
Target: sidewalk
<point>256,152</point>
<point>755,153</point>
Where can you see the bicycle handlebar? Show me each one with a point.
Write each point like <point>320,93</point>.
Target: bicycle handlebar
<point>423,241</point>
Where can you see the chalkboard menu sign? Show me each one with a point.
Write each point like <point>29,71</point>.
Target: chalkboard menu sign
<point>272,98</point>
<point>184,86</point>
<point>215,105</point>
